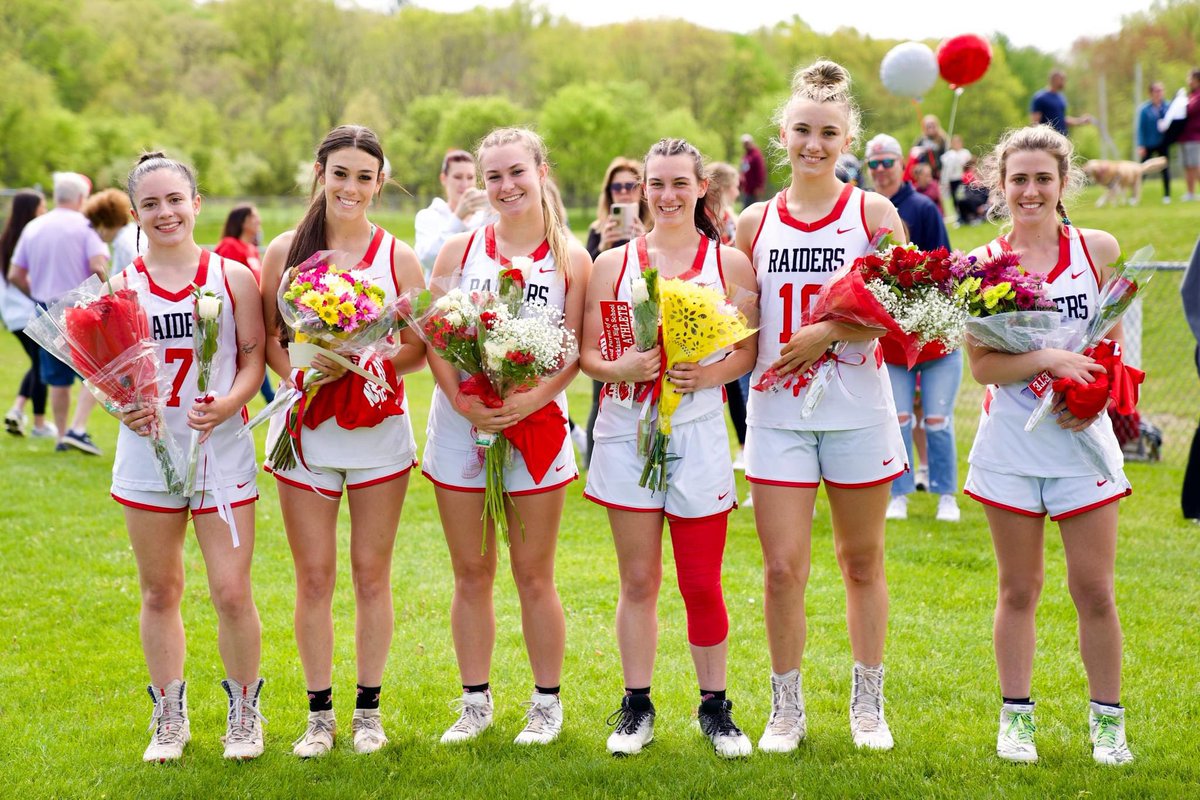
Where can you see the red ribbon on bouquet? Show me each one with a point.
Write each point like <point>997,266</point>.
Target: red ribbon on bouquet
<point>1118,383</point>
<point>538,438</point>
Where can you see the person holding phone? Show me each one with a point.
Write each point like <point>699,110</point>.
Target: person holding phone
<point>464,209</point>
<point>621,213</point>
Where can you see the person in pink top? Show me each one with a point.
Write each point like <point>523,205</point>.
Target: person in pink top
<point>1189,139</point>
<point>56,253</point>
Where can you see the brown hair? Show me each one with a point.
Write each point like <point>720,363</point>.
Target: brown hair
<point>108,209</point>
<point>25,204</point>
<point>721,177</point>
<point>236,221</point>
<point>149,162</point>
<point>555,233</point>
<point>1043,138</point>
<point>604,204</point>
<point>681,147</point>
<point>310,233</point>
<point>455,157</point>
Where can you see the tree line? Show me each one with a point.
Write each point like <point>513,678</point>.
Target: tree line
<point>245,88</point>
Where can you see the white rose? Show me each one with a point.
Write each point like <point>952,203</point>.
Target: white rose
<point>495,353</point>
<point>454,318</point>
<point>638,291</point>
<point>208,307</point>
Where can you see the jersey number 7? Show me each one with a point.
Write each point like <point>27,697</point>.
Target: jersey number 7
<point>184,355</point>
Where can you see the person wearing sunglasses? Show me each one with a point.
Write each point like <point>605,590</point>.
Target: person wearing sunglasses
<point>937,373</point>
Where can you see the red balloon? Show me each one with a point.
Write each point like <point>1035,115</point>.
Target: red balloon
<point>964,59</point>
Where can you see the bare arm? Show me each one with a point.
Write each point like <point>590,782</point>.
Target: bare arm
<point>272,275</point>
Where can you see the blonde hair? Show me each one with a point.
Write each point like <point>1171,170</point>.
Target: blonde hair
<point>1038,138</point>
<point>823,81</point>
<point>721,177</point>
<point>604,204</point>
<point>555,233</point>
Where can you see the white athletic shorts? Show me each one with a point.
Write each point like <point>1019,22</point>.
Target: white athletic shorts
<point>699,483</point>
<point>462,469</point>
<point>203,502</point>
<point>330,481</point>
<point>848,459</point>
<point>1059,497</point>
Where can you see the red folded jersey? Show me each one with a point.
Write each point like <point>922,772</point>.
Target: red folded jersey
<point>355,401</point>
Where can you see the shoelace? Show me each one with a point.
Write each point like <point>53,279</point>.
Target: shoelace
<point>1107,728</point>
<point>540,720</point>
<point>470,715</point>
<point>867,704</point>
<point>316,726</point>
<point>1021,727</point>
<point>369,725</point>
<point>166,723</point>
<point>627,719</point>
<point>719,723</point>
<point>786,710</point>
<point>244,720</point>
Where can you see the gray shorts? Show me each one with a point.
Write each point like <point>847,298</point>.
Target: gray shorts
<point>1191,154</point>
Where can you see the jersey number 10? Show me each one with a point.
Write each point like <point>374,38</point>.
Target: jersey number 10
<point>787,293</point>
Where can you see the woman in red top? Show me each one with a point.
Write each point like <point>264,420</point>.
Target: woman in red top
<point>239,240</point>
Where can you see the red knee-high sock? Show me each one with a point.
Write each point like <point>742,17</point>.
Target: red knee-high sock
<point>699,545</point>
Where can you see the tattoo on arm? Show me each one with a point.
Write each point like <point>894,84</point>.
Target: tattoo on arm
<point>247,347</point>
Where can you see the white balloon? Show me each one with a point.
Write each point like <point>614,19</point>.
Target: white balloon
<point>909,69</point>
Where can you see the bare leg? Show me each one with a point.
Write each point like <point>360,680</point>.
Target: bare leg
<point>531,559</point>
<point>783,516</point>
<point>311,524</point>
<point>858,523</point>
<point>239,632</point>
<point>1017,540</point>
<point>472,615</point>
<point>157,541</point>
<point>638,539</point>
<point>374,518</point>
<point>1090,545</point>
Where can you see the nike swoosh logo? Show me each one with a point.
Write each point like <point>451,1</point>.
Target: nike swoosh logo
<point>1101,483</point>
<point>890,460</point>
<point>1075,275</point>
<point>560,467</point>
<point>544,270</point>
<point>721,497</point>
<point>845,230</point>
<point>244,485</point>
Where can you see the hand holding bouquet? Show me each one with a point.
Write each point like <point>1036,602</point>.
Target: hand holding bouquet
<point>104,336</point>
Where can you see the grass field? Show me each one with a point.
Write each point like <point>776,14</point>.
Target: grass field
<point>73,706</point>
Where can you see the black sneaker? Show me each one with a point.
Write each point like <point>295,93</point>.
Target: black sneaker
<point>717,724</point>
<point>634,722</point>
<point>81,441</point>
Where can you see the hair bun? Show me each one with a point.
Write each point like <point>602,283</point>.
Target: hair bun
<point>147,156</point>
<point>825,77</point>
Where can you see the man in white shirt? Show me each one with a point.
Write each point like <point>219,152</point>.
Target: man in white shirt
<point>464,209</point>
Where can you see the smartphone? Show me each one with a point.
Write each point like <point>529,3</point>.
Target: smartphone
<point>624,214</point>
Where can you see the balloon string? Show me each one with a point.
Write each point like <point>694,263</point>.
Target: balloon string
<point>958,90</point>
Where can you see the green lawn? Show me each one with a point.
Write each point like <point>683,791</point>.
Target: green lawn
<point>73,707</point>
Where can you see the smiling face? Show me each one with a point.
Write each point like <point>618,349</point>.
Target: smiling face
<point>814,135</point>
<point>350,179</point>
<point>887,172</point>
<point>673,189</point>
<point>1032,186</point>
<point>165,208</point>
<point>512,177</point>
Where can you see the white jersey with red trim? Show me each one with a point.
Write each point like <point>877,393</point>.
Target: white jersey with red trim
<point>792,261</point>
<point>391,441</point>
<point>171,328</point>
<point>616,421</point>
<point>480,272</point>
<point>1001,443</point>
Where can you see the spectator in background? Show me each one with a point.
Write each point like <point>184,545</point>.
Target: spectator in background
<point>924,183</point>
<point>973,200</point>
<point>1150,140</point>
<point>848,169</point>
<point>1190,290</point>
<point>56,253</point>
<point>954,161</point>
<point>1189,140</point>
<point>933,142</point>
<point>464,209</point>
<point>17,310</point>
<point>109,213</point>
<point>1049,106</point>
<point>939,372</point>
<point>239,242</point>
<point>754,171</point>
<point>239,239</point>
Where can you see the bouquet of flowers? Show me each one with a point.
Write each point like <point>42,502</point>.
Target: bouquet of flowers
<point>917,289</point>
<point>633,324</point>
<point>504,347</point>
<point>697,321</point>
<point>342,315</point>
<point>104,335</point>
<point>206,332</point>
<point>844,298</point>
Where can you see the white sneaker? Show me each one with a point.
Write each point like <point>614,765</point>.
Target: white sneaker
<point>1014,741</point>
<point>716,722</point>
<point>867,725</point>
<point>243,737</point>
<point>948,509</point>
<point>897,507</point>
<point>921,479</point>
<point>1107,727</point>
<point>634,722</point>
<point>545,713</point>
<point>14,422</point>
<point>318,737</point>
<point>739,460</point>
<point>368,731</point>
<point>47,430</point>
<point>788,723</point>
<point>474,717</point>
<point>169,722</point>
<point>1166,201</point>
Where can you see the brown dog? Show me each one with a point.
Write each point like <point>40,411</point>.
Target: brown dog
<point>1123,178</point>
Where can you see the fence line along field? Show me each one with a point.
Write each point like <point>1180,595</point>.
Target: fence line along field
<point>73,706</point>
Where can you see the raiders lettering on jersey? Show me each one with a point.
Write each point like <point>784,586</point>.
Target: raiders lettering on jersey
<point>535,293</point>
<point>805,259</point>
<point>1074,306</point>
<point>174,325</point>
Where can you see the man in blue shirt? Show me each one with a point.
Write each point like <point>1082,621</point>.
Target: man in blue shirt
<point>1150,141</point>
<point>926,229</point>
<point>1049,106</point>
